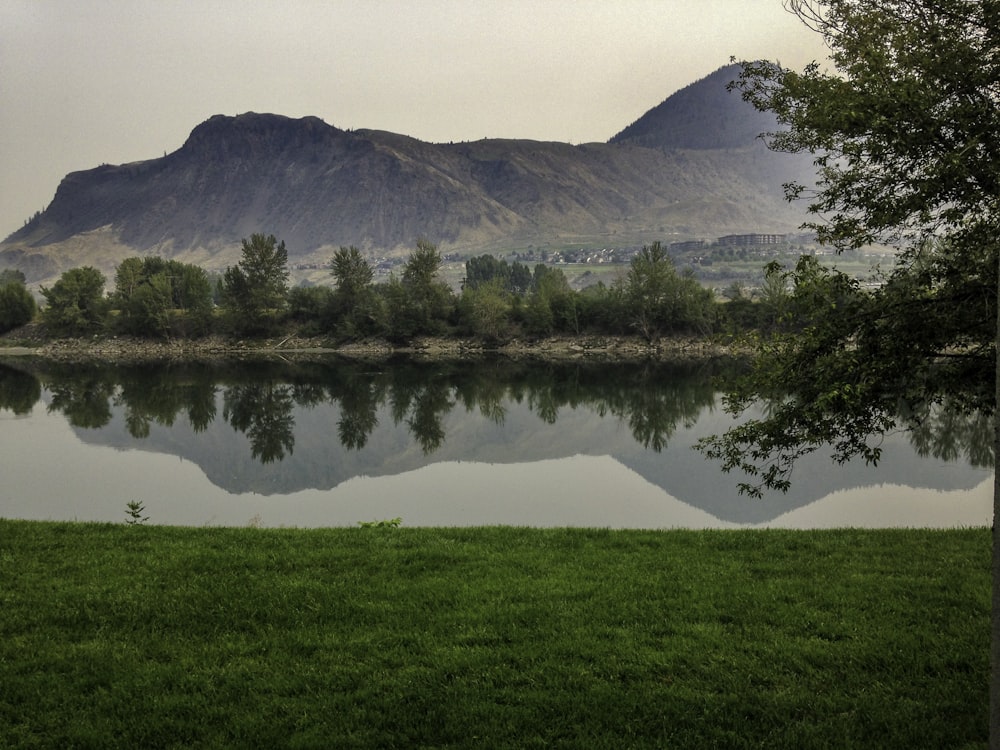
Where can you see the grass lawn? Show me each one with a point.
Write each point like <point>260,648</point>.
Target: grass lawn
<point>140,636</point>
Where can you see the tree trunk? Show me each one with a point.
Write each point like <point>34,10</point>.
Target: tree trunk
<point>995,610</point>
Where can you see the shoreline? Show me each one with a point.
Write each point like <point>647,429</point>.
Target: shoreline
<point>131,349</point>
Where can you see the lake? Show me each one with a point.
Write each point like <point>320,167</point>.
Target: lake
<point>332,442</point>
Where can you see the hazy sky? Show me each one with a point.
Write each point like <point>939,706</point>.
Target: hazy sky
<point>86,82</point>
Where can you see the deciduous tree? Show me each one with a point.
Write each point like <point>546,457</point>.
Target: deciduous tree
<point>660,300</point>
<point>12,276</point>
<point>159,297</point>
<point>419,303</point>
<point>355,309</point>
<point>256,289</point>
<point>485,308</point>
<point>514,278</point>
<point>75,304</point>
<point>903,123</point>
<point>352,271</point>
<point>552,304</point>
<point>17,306</point>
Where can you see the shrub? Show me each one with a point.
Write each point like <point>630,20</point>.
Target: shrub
<point>17,306</point>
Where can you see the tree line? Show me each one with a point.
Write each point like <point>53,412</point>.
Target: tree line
<point>159,298</point>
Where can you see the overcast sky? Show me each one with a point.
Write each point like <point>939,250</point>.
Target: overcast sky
<point>86,82</point>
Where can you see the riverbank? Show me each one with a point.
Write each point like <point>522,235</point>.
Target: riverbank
<point>33,341</point>
<point>140,636</point>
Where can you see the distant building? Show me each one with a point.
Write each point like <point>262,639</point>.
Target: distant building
<point>751,240</point>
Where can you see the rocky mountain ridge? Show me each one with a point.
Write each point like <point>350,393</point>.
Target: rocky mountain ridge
<point>318,187</point>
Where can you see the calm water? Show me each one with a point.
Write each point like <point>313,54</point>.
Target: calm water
<point>496,442</point>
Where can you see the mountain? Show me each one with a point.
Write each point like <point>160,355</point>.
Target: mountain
<point>702,116</point>
<point>691,167</point>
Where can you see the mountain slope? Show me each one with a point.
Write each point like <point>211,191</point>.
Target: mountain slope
<point>318,187</point>
<point>703,115</point>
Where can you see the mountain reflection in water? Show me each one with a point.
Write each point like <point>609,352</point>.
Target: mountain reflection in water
<point>465,441</point>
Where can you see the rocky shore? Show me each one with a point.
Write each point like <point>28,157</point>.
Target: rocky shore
<point>33,342</point>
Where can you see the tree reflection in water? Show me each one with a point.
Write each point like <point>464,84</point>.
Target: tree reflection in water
<point>259,399</point>
<point>263,412</point>
<point>154,395</point>
<point>19,391</point>
<point>359,401</point>
<point>85,400</point>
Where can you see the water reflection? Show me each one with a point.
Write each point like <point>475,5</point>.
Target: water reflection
<point>19,391</point>
<point>951,435</point>
<point>259,398</point>
<point>275,428</point>
<point>151,395</point>
<point>85,400</point>
<point>263,412</point>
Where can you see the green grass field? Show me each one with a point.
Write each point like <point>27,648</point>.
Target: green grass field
<point>139,636</point>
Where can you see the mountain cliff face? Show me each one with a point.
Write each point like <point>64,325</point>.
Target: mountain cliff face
<point>691,167</point>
